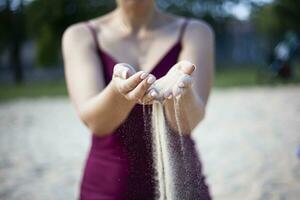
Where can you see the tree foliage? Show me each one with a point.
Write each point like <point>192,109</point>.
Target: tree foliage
<point>47,20</point>
<point>13,34</point>
<point>12,24</point>
<point>279,17</point>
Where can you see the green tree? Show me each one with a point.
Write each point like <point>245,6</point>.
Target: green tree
<point>47,20</point>
<point>277,18</point>
<point>288,14</point>
<point>13,34</point>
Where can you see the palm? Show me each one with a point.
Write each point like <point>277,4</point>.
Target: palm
<point>174,82</point>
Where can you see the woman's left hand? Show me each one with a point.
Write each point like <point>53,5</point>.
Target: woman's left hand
<point>176,82</point>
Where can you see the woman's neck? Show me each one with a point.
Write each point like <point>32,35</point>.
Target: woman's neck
<point>133,21</point>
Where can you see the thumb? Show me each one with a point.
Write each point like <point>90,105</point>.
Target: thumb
<point>186,67</point>
<point>123,70</point>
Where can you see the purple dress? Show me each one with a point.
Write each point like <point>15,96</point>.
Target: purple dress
<point>120,166</point>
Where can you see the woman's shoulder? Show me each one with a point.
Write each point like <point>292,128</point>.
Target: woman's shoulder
<point>77,32</point>
<point>80,30</point>
<point>102,20</point>
<point>79,36</point>
<point>198,26</point>
<point>197,32</point>
<point>193,25</point>
<point>197,29</point>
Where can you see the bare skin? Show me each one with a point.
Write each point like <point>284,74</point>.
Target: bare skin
<point>139,35</point>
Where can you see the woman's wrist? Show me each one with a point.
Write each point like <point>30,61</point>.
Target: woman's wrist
<point>189,107</point>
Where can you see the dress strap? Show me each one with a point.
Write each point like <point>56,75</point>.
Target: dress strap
<point>93,31</point>
<point>182,29</point>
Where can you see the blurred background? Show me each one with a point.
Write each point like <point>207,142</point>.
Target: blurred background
<point>249,141</point>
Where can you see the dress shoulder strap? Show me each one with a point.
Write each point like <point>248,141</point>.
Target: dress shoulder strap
<point>182,29</point>
<point>93,31</point>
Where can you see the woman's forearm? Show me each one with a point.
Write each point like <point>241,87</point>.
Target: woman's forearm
<point>103,113</point>
<point>190,110</point>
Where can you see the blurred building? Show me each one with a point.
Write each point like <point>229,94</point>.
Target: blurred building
<point>240,45</point>
<point>31,72</point>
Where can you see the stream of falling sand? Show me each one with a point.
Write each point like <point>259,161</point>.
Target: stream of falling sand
<point>164,160</point>
<point>183,192</point>
<point>145,118</point>
<point>158,129</point>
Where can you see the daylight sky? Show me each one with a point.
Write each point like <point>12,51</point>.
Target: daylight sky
<point>242,10</point>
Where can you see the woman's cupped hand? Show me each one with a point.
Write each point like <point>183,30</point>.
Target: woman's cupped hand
<point>143,88</point>
<point>176,82</point>
<point>134,86</point>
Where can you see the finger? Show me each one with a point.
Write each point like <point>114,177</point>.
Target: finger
<point>123,70</point>
<point>168,94</point>
<point>133,81</point>
<point>177,91</point>
<point>149,102</point>
<point>185,81</point>
<point>149,96</point>
<point>139,91</point>
<point>186,67</point>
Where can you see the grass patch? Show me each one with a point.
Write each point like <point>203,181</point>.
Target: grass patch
<point>235,77</point>
<point>32,90</point>
<point>251,76</point>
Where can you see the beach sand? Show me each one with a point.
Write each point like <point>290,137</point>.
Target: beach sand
<point>248,144</point>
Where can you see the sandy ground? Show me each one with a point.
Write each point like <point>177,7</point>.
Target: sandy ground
<point>248,144</point>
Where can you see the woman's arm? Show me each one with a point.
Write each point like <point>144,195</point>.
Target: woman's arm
<point>101,108</point>
<point>198,48</point>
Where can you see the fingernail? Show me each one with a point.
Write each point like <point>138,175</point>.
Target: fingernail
<point>177,95</point>
<point>194,67</point>
<point>153,94</point>
<point>178,92</point>
<point>143,75</point>
<point>151,80</point>
<point>170,96</point>
<point>181,84</point>
<point>124,73</point>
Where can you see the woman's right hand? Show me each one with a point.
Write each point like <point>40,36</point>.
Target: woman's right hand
<point>133,85</point>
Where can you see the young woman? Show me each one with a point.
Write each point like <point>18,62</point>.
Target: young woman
<point>113,64</point>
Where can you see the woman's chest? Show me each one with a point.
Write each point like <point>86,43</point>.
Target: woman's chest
<point>142,53</point>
